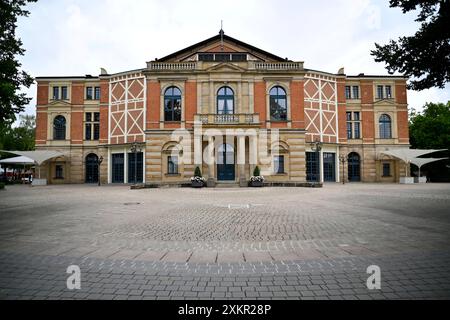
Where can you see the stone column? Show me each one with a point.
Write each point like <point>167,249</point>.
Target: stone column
<point>211,181</point>
<point>241,160</point>
<point>198,152</point>
<point>253,153</point>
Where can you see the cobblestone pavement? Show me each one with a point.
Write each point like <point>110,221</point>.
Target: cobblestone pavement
<point>296,243</point>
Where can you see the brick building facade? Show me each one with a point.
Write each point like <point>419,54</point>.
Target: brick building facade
<point>225,106</point>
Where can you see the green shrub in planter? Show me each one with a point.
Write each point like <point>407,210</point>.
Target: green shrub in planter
<point>2,185</point>
<point>256,172</point>
<point>198,172</point>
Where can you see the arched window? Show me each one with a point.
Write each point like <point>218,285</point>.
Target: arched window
<point>225,101</point>
<point>278,104</point>
<point>385,127</point>
<point>59,128</point>
<point>354,167</point>
<point>172,104</point>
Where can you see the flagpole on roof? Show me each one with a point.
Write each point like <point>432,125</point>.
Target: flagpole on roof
<point>221,34</point>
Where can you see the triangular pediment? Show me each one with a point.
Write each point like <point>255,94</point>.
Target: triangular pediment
<point>225,67</point>
<point>221,43</point>
<point>59,103</point>
<point>385,101</point>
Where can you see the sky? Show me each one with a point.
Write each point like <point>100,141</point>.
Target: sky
<point>78,37</point>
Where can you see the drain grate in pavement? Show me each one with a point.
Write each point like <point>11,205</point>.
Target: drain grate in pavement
<point>131,203</point>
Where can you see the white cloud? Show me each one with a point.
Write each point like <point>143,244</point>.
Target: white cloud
<point>77,37</point>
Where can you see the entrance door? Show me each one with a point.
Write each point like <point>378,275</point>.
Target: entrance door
<point>91,168</point>
<point>225,163</point>
<point>329,166</point>
<point>118,168</point>
<point>354,167</point>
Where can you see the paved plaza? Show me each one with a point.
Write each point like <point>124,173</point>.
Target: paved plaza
<point>237,243</point>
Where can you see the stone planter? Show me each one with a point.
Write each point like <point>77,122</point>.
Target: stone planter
<point>39,182</point>
<point>256,184</point>
<point>197,184</point>
<point>406,180</point>
<point>420,179</point>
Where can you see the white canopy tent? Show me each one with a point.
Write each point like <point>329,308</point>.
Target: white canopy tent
<point>18,160</point>
<point>38,157</point>
<point>408,155</point>
<point>419,162</point>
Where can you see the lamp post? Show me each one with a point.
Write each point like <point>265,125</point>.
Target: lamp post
<point>343,159</point>
<point>99,162</point>
<point>316,146</point>
<point>135,148</point>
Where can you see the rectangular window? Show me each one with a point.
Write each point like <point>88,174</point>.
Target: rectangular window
<point>278,164</point>
<point>206,57</point>
<point>349,116</point>
<point>87,131</point>
<point>355,92</point>
<point>96,131</point>
<point>380,92</point>
<point>64,93</point>
<point>172,165</point>
<point>239,57</point>
<point>349,130</point>
<point>55,93</point>
<point>357,134</point>
<point>59,171</point>
<point>353,125</point>
<point>88,93</point>
<point>92,126</point>
<point>97,93</point>
<point>348,92</point>
<point>388,92</point>
<point>386,169</point>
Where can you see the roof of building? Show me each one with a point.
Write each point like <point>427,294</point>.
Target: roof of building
<point>216,38</point>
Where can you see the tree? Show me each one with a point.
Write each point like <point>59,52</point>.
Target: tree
<point>12,79</point>
<point>20,138</point>
<point>431,128</point>
<point>425,56</point>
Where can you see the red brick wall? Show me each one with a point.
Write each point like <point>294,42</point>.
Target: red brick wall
<point>77,93</point>
<point>402,126</point>
<point>260,101</point>
<point>368,126</point>
<point>153,104</point>
<point>76,126</point>
<point>41,125</point>
<point>191,102</point>
<point>366,91</point>
<point>297,104</point>
<point>400,92</point>
<point>342,109</point>
<point>42,94</point>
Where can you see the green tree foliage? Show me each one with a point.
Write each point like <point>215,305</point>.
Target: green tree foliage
<point>431,128</point>
<point>12,79</point>
<point>256,172</point>
<point>20,138</point>
<point>425,56</point>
